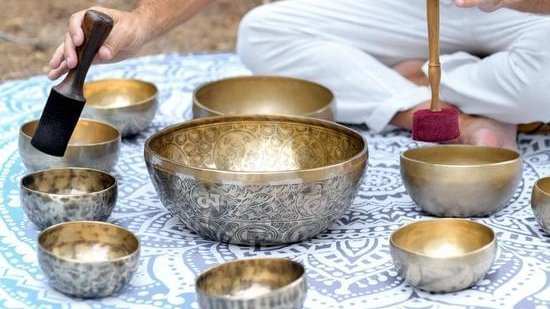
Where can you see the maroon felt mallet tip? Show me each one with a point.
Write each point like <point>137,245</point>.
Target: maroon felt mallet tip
<point>430,126</point>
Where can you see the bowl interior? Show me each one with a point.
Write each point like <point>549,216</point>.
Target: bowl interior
<point>460,155</point>
<point>86,132</point>
<point>87,241</point>
<point>249,278</point>
<point>263,95</point>
<point>68,181</point>
<point>442,238</point>
<point>118,93</point>
<point>543,185</point>
<point>250,145</point>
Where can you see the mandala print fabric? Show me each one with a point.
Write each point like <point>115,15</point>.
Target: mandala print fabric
<point>348,265</point>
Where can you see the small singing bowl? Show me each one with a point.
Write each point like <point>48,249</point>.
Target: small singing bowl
<point>88,259</point>
<point>94,144</point>
<point>443,255</point>
<point>263,95</point>
<point>68,194</point>
<point>461,181</point>
<point>128,104</point>
<point>540,202</point>
<point>253,283</point>
<point>257,180</point>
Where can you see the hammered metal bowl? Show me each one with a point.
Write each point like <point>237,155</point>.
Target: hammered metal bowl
<point>93,145</point>
<point>88,259</point>
<point>128,104</point>
<point>272,283</point>
<point>540,203</point>
<point>69,194</point>
<point>459,180</point>
<point>256,179</point>
<point>443,255</point>
<point>263,95</point>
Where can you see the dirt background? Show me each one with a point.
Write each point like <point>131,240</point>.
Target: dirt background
<point>39,26</point>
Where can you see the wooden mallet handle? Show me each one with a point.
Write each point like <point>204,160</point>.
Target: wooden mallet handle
<point>96,27</point>
<point>434,67</point>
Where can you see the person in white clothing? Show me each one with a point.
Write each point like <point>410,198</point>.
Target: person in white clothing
<point>372,55</point>
<point>533,6</point>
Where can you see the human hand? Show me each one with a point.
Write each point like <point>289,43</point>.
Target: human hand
<point>126,39</point>
<point>484,5</point>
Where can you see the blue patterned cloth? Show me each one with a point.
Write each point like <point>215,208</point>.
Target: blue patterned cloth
<point>348,266</point>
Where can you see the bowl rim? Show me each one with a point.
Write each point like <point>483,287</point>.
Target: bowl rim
<point>469,253</point>
<point>118,80</point>
<point>204,85</point>
<point>537,186</point>
<point>404,157</point>
<point>114,184</point>
<point>116,139</point>
<point>150,154</point>
<point>288,286</point>
<point>121,258</point>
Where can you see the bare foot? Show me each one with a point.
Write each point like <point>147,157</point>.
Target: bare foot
<point>412,70</point>
<point>487,132</point>
<point>473,130</point>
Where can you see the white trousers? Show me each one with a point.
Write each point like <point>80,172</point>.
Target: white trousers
<point>495,65</point>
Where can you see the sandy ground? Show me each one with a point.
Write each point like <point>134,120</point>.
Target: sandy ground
<point>40,25</point>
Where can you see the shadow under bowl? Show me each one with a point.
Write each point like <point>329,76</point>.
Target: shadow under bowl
<point>263,95</point>
<point>94,145</point>
<point>253,283</point>
<point>540,203</point>
<point>128,104</point>
<point>459,180</point>
<point>443,255</point>
<point>256,179</point>
<point>69,194</point>
<point>88,259</point>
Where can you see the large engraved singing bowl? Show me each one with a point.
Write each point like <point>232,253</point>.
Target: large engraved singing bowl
<point>94,144</point>
<point>256,179</point>
<point>443,255</point>
<point>128,104</point>
<point>461,181</point>
<point>263,95</point>
<point>540,203</point>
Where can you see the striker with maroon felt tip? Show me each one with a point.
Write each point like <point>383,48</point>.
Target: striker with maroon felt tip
<point>435,124</point>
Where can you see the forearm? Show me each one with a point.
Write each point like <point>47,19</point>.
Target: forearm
<point>533,6</point>
<point>161,16</point>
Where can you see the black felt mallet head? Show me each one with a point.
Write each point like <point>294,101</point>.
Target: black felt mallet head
<point>66,100</point>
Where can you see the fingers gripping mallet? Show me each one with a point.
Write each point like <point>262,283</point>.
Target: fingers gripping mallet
<point>435,124</point>
<point>66,99</point>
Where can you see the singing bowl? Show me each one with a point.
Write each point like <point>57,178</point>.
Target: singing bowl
<point>128,104</point>
<point>459,180</point>
<point>540,203</point>
<point>88,259</point>
<point>272,283</point>
<point>443,255</point>
<point>69,194</point>
<point>93,145</point>
<point>263,95</point>
<point>256,179</point>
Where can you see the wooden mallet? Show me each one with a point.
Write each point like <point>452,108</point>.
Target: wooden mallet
<point>66,100</point>
<point>435,124</point>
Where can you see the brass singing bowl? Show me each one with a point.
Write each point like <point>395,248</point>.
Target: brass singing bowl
<point>88,259</point>
<point>93,145</point>
<point>128,104</point>
<point>443,255</point>
<point>459,180</point>
<point>540,202</point>
<point>256,179</point>
<point>68,194</point>
<point>263,95</point>
<point>272,283</point>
